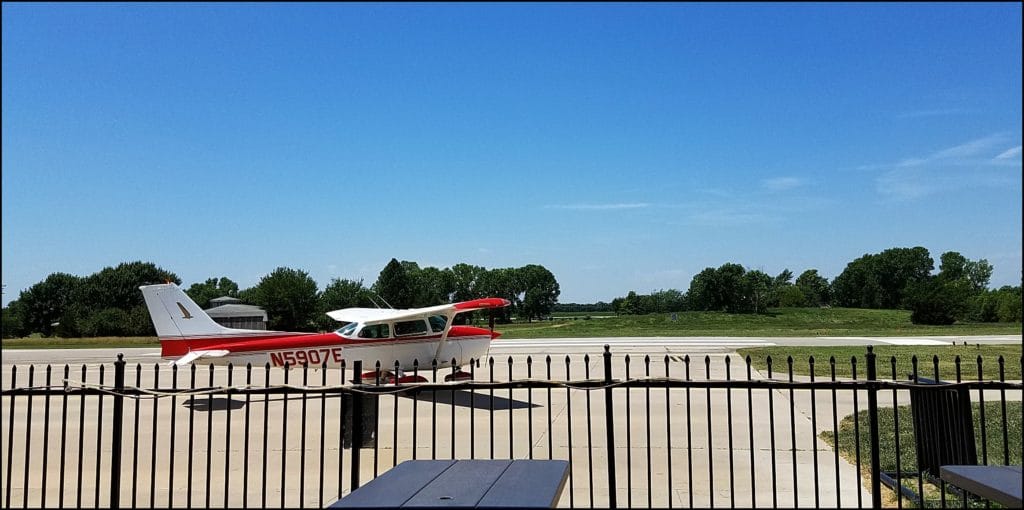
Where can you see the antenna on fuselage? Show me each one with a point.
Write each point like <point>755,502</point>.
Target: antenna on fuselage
<point>375,303</point>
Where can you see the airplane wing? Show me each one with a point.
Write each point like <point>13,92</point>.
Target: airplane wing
<point>383,314</point>
<point>194,355</point>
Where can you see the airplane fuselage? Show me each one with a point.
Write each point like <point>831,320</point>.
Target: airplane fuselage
<point>463,344</point>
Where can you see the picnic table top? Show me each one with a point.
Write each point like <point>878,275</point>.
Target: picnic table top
<point>463,483</point>
<point>1001,484</point>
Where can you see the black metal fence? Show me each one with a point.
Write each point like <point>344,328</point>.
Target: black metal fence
<point>638,432</point>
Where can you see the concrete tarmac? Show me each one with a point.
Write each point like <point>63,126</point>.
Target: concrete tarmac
<point>748,448</point>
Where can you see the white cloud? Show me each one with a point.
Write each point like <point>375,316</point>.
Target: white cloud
<point>942,170</point>
<point>965,150</point>
<point>599,207</point>
<point>1010,153</point>
<point>781,183</point>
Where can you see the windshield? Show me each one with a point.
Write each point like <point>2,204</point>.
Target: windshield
<point>347,329</point>
<point>437,323</point>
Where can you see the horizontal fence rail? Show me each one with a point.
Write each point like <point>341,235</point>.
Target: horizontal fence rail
<point>637,431</point>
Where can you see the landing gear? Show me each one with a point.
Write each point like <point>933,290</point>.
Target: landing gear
<point>458,376</point>
<point>386,377</point>
<point>412,379</point>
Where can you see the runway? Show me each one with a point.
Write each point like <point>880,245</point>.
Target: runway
<point>547,346</point>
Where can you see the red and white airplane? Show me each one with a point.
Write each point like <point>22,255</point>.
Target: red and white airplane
<point>188,334</point>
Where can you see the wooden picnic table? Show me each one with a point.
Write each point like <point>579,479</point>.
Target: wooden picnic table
<point>463,483</point>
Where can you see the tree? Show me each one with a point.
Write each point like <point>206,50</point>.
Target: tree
<point>937,301</point>
<point>14,320</point>
<point>670,300</point>
<point>882,280</point>
<point>432,286</point>
<point>814,287</point>
<point>757,289</point>
<point>394,285</point>
<point>43,304</point>
<point>732,289</point>
<point>290,299</point>
<point>955,266</point>
<point>502,282</point>
<point>629,305</point>
<point>341,294</point>
<point>703,293</point>
<point>729,288</point>
<point>212,288</point>
<point>466,280</point>
<point>792,297</point>
<point>540,291</point>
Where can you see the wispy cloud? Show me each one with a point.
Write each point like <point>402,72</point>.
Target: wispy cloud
<point>781,183</point>
<point>972,152</point>
<point>1009,153</point>
<point>973,163</point>
<point>938,112</point>
<point>598,207</point>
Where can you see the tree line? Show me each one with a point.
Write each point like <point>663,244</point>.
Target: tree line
<point>109,303</point>
<point>896,278</point>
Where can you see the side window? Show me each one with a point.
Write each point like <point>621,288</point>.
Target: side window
<point>375,331</point>
<point>437,323</point>
<point>415,327</point>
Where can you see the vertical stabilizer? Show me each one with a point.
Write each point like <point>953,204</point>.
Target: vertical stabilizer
<point>175,316</point>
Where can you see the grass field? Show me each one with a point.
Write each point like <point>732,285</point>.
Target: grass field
<point>996,448</point>
<point>903,354</point>
<point>809,322</point>
<point>37,342</point>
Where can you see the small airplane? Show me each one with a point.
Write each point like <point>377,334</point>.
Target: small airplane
<point>419,335</point>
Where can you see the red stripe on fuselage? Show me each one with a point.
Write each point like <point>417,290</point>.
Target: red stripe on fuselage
<point>283,340</point>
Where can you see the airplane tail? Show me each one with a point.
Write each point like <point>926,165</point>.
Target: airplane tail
<point>180,323</point>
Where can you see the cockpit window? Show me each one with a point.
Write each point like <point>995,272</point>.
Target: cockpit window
<point>437,323</point>
<point>413,327</point>
<point>347,329</point>
<point>375,331</point>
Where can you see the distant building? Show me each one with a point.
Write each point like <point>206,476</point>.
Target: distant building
<point>231,313</point>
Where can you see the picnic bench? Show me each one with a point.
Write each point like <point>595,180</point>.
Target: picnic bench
<point>463,484</point>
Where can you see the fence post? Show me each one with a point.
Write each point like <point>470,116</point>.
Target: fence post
<point>116,433</point>
<point>609,424</point>
<point>357,422</point>
<point>872,375</point>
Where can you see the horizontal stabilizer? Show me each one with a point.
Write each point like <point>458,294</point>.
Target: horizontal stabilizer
<point>194,355</point>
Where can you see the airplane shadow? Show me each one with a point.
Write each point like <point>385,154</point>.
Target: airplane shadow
<point>475,400</point>
<point>459,398</point>
<point>214,404</point>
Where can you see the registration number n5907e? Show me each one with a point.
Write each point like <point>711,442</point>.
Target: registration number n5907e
<point>314,357</point>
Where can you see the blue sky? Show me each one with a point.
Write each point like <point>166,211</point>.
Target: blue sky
<point>622,146</point>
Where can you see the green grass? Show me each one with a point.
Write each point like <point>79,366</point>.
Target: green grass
<point>887,433</point>
<point>903,354</point>
<point>581,315</point>
<point>809,322</point>
<point>37,342</point>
